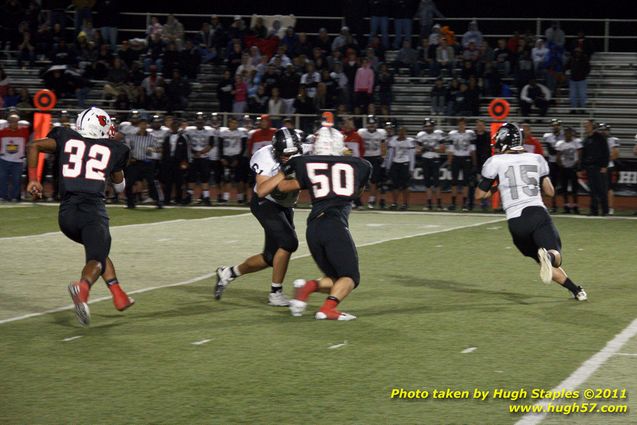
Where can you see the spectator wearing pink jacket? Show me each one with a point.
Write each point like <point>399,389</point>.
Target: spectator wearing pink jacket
<point>363,87</point>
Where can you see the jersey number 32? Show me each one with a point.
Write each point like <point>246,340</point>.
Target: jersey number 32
<point>98,157</point>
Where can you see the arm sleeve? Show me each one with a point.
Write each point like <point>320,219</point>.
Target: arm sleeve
<point>485,184</point>
<point>123,158</point>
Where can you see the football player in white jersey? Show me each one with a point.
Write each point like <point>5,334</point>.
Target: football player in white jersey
<point>129,128</point>
<point>233,144</point>
<point>569,152</point>
<point>430,145</point>
<point>213,155</point>
<point>550,140</point>
<point>275,212</point>
<point>401,161</point>
<point>521,176</point>
<point>200,138</point>
<point>461,156</point>
<point>375,149</point>
<point>613,147</point>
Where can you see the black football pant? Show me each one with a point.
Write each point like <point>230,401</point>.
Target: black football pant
<point>599,193</point>
<point>173,176</point>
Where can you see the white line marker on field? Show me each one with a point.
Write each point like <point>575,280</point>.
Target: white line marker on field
<point>202,342</point>
<point>494,228</point>
<point>507,247</point>
<point>469,350</point>
<point>439,246</point>
<point>580,249</point>
<point>209,275</point>
<point>626,354</point>
<point>72,338</point>
<point>585,371</point>
<point>332,347</point>
<point>164,240</point>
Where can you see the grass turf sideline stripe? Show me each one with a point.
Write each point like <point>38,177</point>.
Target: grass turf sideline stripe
<point>209,275</point>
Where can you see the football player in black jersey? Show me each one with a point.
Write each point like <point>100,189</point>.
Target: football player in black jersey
<point>333,181</point>
<point>87,158</point>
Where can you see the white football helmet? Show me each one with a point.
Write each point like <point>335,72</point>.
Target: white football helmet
<point>94,123</point>
<point>328,141</point>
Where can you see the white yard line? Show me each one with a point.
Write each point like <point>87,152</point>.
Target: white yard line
<point>209,275</point>
<point>202,342</point>
<point>468,350</point>
<point>586,370</point>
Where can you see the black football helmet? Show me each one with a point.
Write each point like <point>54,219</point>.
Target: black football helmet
<point>508,137</point>
<point>286,143</point>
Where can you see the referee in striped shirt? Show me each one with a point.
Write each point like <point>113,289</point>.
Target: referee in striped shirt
<point>141,166</point>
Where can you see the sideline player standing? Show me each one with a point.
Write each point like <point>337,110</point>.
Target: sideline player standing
<point>200,138</point>
<point>275,213</point>
<point>430,146</point>
<point>333,181</point>
<point>461,157</point>
<point>550,141</point>
<point>375,139</point>
<point>520,176</point>
<point>87,158</point>
<point>400,161</point>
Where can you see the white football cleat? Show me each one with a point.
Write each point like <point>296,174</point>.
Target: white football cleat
<point>297,307</point>
<point>342,316</point>
<point>224,277</point>
<point>278,299</point>
<point>546,267</point>
<point>581,295</point>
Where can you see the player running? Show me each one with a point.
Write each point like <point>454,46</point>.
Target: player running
<point>520,175</point>
<point>275,213</point>
<point>333,181</point>
<point>87,157</point>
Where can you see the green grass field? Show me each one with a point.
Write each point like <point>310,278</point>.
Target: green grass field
<point>433,285</point>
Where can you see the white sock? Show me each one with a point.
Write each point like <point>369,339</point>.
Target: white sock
<point>226,196</point>
<point>206,194</point>
<point>235,270</point>
<point>372,199</point>
<point>239,196</point>
<point>190,191</point>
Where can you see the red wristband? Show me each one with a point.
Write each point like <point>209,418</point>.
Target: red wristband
<point>33,173</point>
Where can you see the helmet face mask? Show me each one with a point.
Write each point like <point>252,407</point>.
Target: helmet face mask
<point>508,137</point>
<point>94,123</point>
<point>285,144</point>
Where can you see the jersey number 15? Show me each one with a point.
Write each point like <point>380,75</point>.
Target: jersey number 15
<point>95,166</point>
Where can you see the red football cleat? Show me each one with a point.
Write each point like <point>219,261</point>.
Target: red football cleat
<point>123,301</point>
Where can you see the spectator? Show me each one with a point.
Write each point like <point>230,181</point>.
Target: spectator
<point>290,82</point>
<point>13,142</point>
<point>127,54</point>
<point>439,96</point>
<point>271,79</point>
<point>555,69</point>
<point>379,12</point>
<point>473,35</point>
<point>108,21</point>
<point>11,99</point>
<point>363,87</point>
<point>304,105</point>
<point>26,51</point>
<point>514,42</point>
<point>445,58</point>
<point>427,10</point>
<point>540,54</point>
<point>152,81</point>
<point>177,92</point>
<point>234,57</point>
<point>555,35</point>
<point>259,30</point>
<point>276,30</point>
<point>502,55</point>
<point>434,38</point>
<point>485,55</point>
<point>461,105</point>
<point>374,60</point>
<point>258,102</point>
<point>473,96</point>
<point>471,53</point>
<point>323,41</point>
<point>240,95</point>
<point>583,44</point>
<point>303,46</point>
<point>407,56</point>
<point>284,59</point>
<point>220,35</point>
<point>154,52</point>
<point>330,85</point>
<point>385,81</point>
<point>453,89</point>
<point>342,40</point>
<point>116,79</point>
<point>425,58</point>
<point>154,28</point>
<point>157,101</point>
<point>275,108</point>
<point>82,12</point>
<point>321,99</point>
<point>173,31</point>
<point>524,71</point>
<point>310,80</point>
<point>290,40</point>
<point>403,13</point>
<point>578,68</point>
<point>342,83</point>
<point>255,56</point>
<point>189,60</point>
<point>534,94</point>
<point>595,158</point>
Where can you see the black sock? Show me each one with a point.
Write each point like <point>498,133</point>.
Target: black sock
<point>112,282</point>
<point>571,286</point>
<point>333,299</point>
<point>276,287</point>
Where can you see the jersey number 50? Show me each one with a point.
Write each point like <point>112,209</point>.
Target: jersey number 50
<point>341,181</point>
<point>95,166</point>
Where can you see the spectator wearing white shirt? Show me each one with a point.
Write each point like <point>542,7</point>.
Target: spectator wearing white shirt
<point>310,80</point>
<point>473,35</point>
<point>275,108</point>
<point>534,94</point>
<point>540,55</point>
<point>555,35</point>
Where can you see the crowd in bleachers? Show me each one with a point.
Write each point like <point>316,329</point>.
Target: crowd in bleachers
<point>311,73</point>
